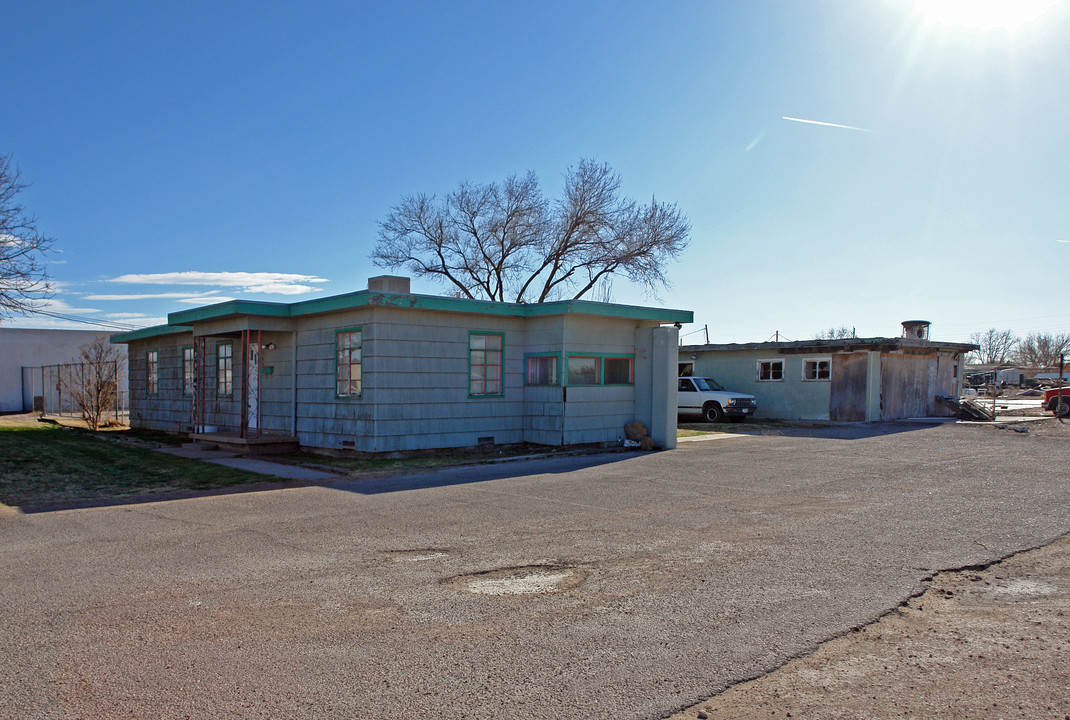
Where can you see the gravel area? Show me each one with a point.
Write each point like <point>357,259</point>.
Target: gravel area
<point>651,581</point>
<point>979,643</point>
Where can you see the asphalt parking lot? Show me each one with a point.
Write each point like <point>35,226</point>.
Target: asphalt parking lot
<point>620,585</point>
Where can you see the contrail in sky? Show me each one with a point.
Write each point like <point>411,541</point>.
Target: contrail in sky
<point>826,124</point>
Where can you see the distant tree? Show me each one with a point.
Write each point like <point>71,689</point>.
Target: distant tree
<point>507,242</point>
<point>92,381</point>
<point>995,347</point>
<point>1042,349</point>
<point>23,280</point>
<point>836,333</point>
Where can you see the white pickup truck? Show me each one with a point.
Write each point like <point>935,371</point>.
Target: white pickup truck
<point>703,396</point>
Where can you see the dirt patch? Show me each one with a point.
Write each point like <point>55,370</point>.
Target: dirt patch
<point>417,555</point>
<point>522,580</point>
<point>986,644</point>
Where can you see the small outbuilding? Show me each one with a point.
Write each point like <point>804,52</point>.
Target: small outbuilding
<point>850,379</point>
<point>385,370</point>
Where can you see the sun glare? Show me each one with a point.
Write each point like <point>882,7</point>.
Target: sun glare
<point>983,14</point>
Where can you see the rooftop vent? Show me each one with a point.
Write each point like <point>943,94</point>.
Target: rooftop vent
<point>916,329</point>
<point>389,284</point>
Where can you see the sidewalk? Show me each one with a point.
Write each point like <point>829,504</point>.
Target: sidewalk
<point>257,465</point>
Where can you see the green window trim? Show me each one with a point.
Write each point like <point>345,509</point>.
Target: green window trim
<point>188,378</point>
<point>224,387</point>
<point>601,369</point>
<point>152,372</point>
<point>486,365</point>
<point>557,369</point>
<point>359,364</point>
<point>630,368</point>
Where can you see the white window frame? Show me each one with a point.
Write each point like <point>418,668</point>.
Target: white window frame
<point>771,361</point>
<point>816,361</point>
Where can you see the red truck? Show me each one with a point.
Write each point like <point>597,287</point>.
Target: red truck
<point>1057,400</point>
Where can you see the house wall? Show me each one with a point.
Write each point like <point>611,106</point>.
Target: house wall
<point>32,348</point>
<point>544,406</point>
<point>910,384</point>
<point>882,386</point>
<point>415,392</point>
<point>415,381</point>
<point>790,398</point>
<point>594,414</point>
<point>168,409</point>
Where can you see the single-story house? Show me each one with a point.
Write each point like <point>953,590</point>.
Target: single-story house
<point>852,379</point>
<point>385,370</point>
<point>25,356</point>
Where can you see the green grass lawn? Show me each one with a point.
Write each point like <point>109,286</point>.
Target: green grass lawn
<point>51,466</point>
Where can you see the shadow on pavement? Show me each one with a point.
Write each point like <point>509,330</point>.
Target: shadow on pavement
<point>831,431</point>
<point>462,474</point>
<point>370,483</point>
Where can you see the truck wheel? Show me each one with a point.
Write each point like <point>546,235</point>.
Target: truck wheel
<point>1061,407</point>
<point>713,413</point>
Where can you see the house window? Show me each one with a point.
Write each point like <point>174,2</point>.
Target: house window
<point>152,369</point>
<point>224,369</point>
<point>819,369</point>
<point>584,370</point>
<point>485,364</point>
<point>188,373</point>
<point>619,371</point>
<point>770,370</point>
<point>541,370</point>
<point>348,346</point>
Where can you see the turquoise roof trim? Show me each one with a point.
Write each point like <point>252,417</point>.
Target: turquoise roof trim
<point>149,332</point>
<point>368,298</point>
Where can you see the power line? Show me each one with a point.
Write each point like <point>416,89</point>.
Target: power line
<point>106,324</point>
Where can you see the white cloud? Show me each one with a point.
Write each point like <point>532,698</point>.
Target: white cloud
<point>120,316</point>
<point>150,321</point>
<point>206,300</point>
<point>270,283</point>
<point>60,306</point>
<point>154,296</point>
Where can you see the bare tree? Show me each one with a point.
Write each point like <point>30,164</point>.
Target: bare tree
<point>995,347</point>
<point>1042,349</point>
<point>836,333</point>
<point>507,242</point>
<point>93,381</point>
<point>23,280</point>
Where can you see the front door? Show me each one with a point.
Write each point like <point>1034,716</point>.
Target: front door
<point>252,385</point>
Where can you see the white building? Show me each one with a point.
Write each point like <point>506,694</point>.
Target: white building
<point>23,351</point>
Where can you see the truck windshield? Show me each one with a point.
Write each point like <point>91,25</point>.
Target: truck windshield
<point>707,384</point>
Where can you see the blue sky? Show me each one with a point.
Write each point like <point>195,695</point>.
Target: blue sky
<point>182,153</point>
